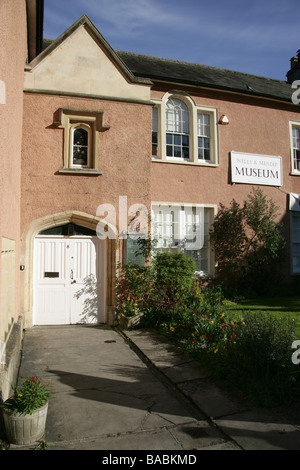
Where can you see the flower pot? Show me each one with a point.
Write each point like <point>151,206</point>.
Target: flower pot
<point>23,429</point>
<point>130,322</point>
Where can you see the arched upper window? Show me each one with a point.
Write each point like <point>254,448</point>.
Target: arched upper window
<point>177,129</point>
<point>81,146</point>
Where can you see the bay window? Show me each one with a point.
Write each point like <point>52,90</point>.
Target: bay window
<point>184,229</point>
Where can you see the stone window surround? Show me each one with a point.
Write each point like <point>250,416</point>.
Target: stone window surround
<point>94,120</point>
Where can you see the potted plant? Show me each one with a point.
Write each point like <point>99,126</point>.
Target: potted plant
<point>129,314</point>
<point>25,412</point>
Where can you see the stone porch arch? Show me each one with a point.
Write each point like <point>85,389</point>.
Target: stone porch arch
<point>27,251</point>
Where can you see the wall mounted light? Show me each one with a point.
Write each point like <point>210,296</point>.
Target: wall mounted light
<point>224,120</point>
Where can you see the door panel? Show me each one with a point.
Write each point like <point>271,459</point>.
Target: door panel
<point>51,297</point>
<point>84,283</point>
<point>67,280</point>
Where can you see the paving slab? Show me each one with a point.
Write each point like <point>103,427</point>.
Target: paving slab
<point>133,390</point>
<point>258,429</point>
<point>105,395</point>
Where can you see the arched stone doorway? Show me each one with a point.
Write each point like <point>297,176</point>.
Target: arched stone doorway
<point>28,242</point>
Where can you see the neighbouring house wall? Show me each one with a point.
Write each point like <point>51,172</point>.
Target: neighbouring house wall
<point>13,54</point>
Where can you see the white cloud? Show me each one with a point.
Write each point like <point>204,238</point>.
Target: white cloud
<point>225,34</point>
<point>131,17</point>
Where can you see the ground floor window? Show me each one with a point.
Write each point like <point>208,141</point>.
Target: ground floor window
<point>296,242</point>
<point>184,229</point>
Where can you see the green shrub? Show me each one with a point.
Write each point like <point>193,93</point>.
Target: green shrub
<point>174,273</point>
<point>135,282</point>
<point>258,359</point>
<point>252,352</point>
<point>248,243</point>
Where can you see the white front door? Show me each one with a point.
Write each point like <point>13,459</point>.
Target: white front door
<point>69,280</point>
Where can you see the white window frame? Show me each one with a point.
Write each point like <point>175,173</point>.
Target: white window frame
<point>178,127</point>
<point>87,128</point>
<point>206,135</point>
<point>294,125</point>
<point>194,110</point>
<point>175,235</point>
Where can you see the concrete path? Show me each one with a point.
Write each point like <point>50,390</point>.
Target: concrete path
<point>134,391</point>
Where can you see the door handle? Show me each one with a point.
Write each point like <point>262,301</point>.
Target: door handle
<point>71,275</point>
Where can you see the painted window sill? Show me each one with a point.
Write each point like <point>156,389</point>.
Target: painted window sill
<point>80,171</point>
<point>186,162</point>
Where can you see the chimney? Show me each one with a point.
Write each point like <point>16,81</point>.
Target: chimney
<point>294,72</point>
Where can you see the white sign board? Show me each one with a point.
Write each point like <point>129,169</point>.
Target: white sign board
<point>250,168</point>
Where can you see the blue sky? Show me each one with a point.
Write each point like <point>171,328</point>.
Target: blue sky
<point>251,36</point>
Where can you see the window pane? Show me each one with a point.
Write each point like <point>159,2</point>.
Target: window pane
<point>204,148</point>
<point>79,155</point>
<point>185,152</point>
<point>80,137</point>
<point>177,151</point>
<point>169,151</point>
<point>185,140</point>
<point>169,139</point>
<point>177,139</point>
<point>80,147</point>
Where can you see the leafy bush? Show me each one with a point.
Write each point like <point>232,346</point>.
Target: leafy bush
<point>252,352</point>
<point>135,282</point>
<point>174,273</point>
<point>260,359</point>
<point>248,242</point>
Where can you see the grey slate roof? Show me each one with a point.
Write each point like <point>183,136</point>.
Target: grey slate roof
<point>166,70</point>
<point>205,76</point>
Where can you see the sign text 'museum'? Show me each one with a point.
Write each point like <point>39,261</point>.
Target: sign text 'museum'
<point>256,169</point>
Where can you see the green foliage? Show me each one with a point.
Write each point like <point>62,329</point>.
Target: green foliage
<point>250,350</point>
<point>259,361</point>
<point>248,242</point>
<point>136,283</point>
<point>32,394</point>
<point>174,273</point>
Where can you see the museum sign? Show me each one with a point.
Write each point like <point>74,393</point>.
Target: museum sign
<point>250,168</point>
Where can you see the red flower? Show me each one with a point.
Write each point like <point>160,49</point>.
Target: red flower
<point>223,326</point>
